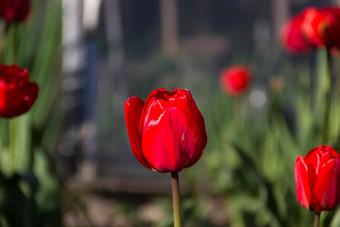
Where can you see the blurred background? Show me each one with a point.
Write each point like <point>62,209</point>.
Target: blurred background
<point>94,54</point>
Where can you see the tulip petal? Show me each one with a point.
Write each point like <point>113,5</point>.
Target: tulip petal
<point>14,10</point>
<point>196,122</point>
<point>28,96</point>
<point>170,141</point>
<point>157,101</point>
<point>17,99</point>
<point>313,26</point>
<point>327,186</point>
<point>133,110</point>
<point>184,101</point>
<point>332,34</point>
<point>291,36</point>
<point>303,192</point>
<point>163,114</point>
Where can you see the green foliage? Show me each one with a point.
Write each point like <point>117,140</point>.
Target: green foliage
<point>30,190</point>
<point>248,165</point>
<point>252,151</point>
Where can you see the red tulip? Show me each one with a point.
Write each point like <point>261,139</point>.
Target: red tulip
<point>17,94</point>
<point>313,28</point>
<point>318,179</point>
<point>321,27</point>
<point>14,10</point>
<point>235,80</point>
<point>167,132</point>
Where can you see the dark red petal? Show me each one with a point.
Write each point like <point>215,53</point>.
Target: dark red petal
<point>13,75</point>
<point>2,67</point>
<point>31,94</point>
<point>332,35</point>
<point>17,99</point>
<point>3,98</point>
<point>303,192</point>
<point>14,10</point>
<point>133,110</point>
<point>327,186</point>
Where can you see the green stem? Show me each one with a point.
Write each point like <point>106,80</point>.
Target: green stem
<point>317,219</point>
<point>3,132</point>
<point>4,142</point>
<point>2,139</point>
<point>175,199</point>
<point>325,132</point>
<point>3,35</point>
<point>12,143</point>
<point>239,120</point>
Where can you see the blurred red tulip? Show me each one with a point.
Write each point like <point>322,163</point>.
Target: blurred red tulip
<point>14,10</point>
<point>291,36</point>
<point>235,80</point>
<point>167,132</point>
<point>313,28</point>
<point>17,94</point>
<point>318,179</point>
<point>321,27</point>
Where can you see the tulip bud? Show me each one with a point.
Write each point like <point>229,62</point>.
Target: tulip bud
<point>235,80</point>
<point>167,132</point>
<point>318,179</point>
<point>312,28</point>
<point>14,10</point>
<point>17,94</point>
